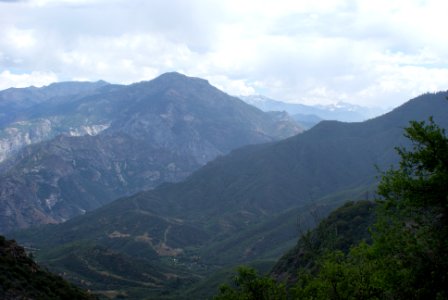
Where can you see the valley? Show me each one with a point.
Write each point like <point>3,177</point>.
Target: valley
<point>246,207</point>
<point>223,150</point>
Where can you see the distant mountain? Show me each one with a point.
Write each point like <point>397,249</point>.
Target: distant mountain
<point>154,132</point>
<point>238,208</point>
<point>22,278</point>
<point>31,115</point>
<point>16,103</point>
<point>310,115</point>
<point>306,121</point>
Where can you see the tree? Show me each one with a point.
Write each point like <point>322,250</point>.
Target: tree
<point>248,285</point>
<point>412,228</point>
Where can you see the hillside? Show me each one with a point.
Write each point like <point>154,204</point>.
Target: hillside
<point>402,256</point>
<point>154,132</point>
<point>243,206</point>
<point>31,115</point>
<point>343,228</point>
<point>22,278</point>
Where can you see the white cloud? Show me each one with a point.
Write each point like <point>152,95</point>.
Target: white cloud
<point>369,53</point>
<point>20,39</point>
<point>233,87</point>
<point>37,79</point>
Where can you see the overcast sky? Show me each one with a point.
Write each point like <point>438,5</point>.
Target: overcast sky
<point>373,53</point>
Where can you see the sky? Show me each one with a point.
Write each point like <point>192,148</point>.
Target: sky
<point>372,53</point>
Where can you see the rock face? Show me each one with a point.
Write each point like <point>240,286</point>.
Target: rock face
<point>23,133</point>
<point>145,134</point>
<point>32,115</point>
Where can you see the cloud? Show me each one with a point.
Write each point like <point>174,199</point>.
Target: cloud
<point>370,53</point>
<point>8,79</point>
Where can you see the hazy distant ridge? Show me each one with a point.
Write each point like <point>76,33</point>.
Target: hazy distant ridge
<point>312,114</point>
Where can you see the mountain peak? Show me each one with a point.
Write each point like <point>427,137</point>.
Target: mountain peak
<point>177,75</point>
<point>174,77</point>
<point>159,130</point>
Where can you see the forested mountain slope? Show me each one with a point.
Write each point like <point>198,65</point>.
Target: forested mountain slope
<point>22,278</point>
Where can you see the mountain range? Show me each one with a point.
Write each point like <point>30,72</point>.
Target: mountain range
<point>116,140</point>
<point>31,115</point>
<point>238,208</point>
<point>310,115</point>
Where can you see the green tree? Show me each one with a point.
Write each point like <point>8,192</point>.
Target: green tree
<point>248,285</point>
<point>412,229</point>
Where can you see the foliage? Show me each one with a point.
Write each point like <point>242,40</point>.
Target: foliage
<point>412,232</point>
<point>248,285</point>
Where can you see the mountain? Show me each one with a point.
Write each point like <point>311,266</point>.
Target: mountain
<point>306,121</point>
<point>238,208</point>
<point>22,278</point>
<point>19,103</point>
<point>29,115</point>
<point>309,115</point>
<point>155,131</point>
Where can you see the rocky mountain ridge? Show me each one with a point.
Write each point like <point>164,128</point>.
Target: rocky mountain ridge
<point>31,115</point>
<point>150,132</point>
